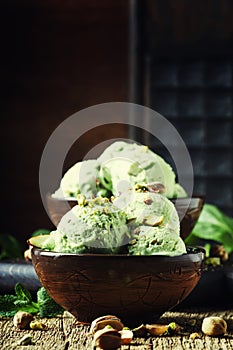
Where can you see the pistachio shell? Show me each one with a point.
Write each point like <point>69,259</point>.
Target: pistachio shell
<point>37,241</point>
<point>126,336</point>
<point>107,339</point>
<point>157,329</point>
<point>22,319</point>
<point>214,326</point>
<point>103,321</point>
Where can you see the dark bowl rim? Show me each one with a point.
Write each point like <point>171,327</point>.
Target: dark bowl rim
<point>194,196</point>
<point>72,199</point>
<point>190,251</point>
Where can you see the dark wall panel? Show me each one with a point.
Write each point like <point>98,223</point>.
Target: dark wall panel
<point>188,67</point>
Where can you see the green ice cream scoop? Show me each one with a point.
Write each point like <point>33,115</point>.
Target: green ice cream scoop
<point>152,209</point>
<point>96,226</point>
<point>80,178</point>
<point>125,164</point>
<point>154,221</point>
<point>156,240</point>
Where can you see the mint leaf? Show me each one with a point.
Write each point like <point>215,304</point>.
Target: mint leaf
<point>214,225</point>
<point>10,304</point>
<point>40,231</point>
<point>46,306</point>
<point>22,293</point>
<point>7,305</point>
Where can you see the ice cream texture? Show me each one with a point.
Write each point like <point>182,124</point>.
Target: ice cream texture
<point>156,241</point>
<point>139,217</point>
<point>125,164</point>
<point>137,222</point>
<point>93,226</point>
<point>144,207</point>
<point>80,178</point>
<point>118,168</point>
<point>155,227</point>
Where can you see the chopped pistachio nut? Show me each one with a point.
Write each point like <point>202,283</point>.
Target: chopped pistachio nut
<point>214,261</point>
<point>81,199</point>
<point>37,325</point>
<point>194,335</point>
<point>174,328</point>
<point>153,220</point>
<point>156,187</point>
<point>140,188</point>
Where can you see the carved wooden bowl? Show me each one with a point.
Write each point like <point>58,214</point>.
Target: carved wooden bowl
<point>58,207</point>
<point>138,289</point>
<point>188,217</point>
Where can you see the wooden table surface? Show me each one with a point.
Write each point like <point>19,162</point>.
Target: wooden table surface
<point>64,333</point>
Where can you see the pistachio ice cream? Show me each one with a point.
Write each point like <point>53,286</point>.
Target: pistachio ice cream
<point>152,209</point>
<point>139,217</point>
<point>157,240</point>
<point>154,222</point>
<point>122,165</point>
<point>137,222</point>
<point>80,178</point>
<point>117,169</point>
<point>91,226</point>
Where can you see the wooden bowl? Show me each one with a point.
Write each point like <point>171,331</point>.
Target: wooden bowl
<point>58,207</point>
<point>188,217</point>
<point>138,289</point>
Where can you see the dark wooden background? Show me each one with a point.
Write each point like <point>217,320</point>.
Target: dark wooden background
<point>57,57</point>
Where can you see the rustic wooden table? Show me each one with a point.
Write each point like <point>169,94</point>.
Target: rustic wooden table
<point>64,333</point>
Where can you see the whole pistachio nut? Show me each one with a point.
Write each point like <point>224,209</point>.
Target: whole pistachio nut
<point>22,319</point>
<point>214,326</point>
<point>103,321</point>
<point>218,250</point>
<point>107,339</point>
